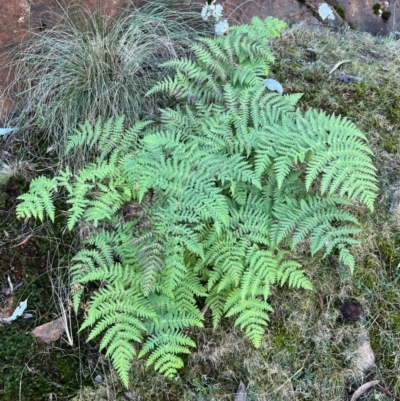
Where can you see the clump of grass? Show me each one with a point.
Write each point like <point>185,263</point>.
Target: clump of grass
<point>376,7</point>
<point>340,11</point>
<point>386,15</point>
<point>89,65</point>
<point>15,168</point>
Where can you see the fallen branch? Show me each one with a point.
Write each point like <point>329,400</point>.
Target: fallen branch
<point>22,242</point>
<point>321,303</point>
<point>386,392</point>
<point>337,65</point>
<point>362,389</point>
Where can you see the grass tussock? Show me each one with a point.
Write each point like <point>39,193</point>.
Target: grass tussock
<point>89,66</point>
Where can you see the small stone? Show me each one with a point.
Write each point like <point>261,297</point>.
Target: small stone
<point>49,332</point>
<point>346,78</point>
<point>241,393</point>
<point>98,379</point>
<point>364,359</point>
<point>395,206</point>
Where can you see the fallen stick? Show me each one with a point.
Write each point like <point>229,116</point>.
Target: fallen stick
<point>22,242</point>
<point>337,65</point>
<point>388,393</point>
<point>362,389</point>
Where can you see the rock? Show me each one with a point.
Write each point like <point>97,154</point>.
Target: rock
<point>355,13</point>
<point>49,332</point>
<point>395,206</point>
<point>17,15</point>
<point>359,13</point>
<point>287,10</point>
<point>364,357</point>
<point>241,392</point>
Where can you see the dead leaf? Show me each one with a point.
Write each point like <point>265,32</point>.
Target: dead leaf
<point>325,12</point>
<point>49,332</point>
<point>6,309</point>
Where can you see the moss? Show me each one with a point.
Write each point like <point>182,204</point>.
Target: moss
<point>23,363</point>
<point>285,338</point>
<point>388,253</point>
<point>395,322</point>
<point>376,7</point>
<point>389,142</point>
<point>386,15</point>
<point>24,359</point>
<point>393,110</point>
<point>341,12</point>
<point>365,275</point>
<point>384,338</point>
<point>65,368</point>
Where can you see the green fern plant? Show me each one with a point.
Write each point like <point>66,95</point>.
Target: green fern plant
<point>207,204</point>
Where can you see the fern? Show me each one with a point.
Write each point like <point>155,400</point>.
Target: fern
<point>204,207</point>
<point>39,199</point>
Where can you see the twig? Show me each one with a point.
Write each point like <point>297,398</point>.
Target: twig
<point>337,65</point>
<point>22,242</point>
<point>321,303</point>
<point>362,389</point>
<point>204,310</point>
<point>386,392</point>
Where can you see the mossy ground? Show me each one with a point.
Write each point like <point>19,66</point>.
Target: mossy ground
<point>32,254</point>
<point>309,351</point>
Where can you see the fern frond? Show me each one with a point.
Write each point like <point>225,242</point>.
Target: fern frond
<point>252,313</point>
<point>38,200</point>
<point>85,136</point>
<point>166,340</point>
